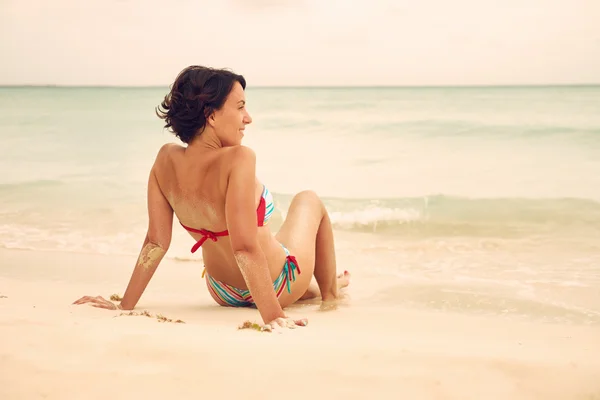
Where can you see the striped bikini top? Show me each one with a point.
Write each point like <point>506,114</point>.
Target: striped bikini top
<point>263,214</point>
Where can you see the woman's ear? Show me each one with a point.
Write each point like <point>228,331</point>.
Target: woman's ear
<point>211,119</point>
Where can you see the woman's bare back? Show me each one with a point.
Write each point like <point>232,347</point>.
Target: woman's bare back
<point>195,185</point>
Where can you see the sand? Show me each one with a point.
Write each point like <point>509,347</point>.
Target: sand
<point>50,349</point>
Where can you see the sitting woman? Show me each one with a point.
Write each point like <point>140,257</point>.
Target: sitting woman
<point>211,187</point>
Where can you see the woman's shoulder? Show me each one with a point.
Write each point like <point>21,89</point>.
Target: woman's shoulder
<point>242,160</point>
<point>238,152</point>
<point>165,157</point>
<point>228,158</point>
<point>241,154</point>
<point>168,149</point>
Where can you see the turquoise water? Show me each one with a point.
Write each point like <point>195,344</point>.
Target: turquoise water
<point>462,181</point>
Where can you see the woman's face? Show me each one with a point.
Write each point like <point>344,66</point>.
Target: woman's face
<point>231,120</point>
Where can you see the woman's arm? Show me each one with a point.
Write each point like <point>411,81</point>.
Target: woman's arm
<point>156,243</point>
<point>154,248</point>
<point>240,213</point>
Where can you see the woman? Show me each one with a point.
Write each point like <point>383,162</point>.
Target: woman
<point>211,187</point>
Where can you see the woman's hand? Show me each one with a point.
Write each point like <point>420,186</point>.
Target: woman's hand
<point>279,323</point>
<point>99,302</point>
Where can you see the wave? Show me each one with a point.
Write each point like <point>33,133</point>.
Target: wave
<point>447,215</point>
<point>119,229</point>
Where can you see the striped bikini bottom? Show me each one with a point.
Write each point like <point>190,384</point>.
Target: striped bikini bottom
<point>235,297</point>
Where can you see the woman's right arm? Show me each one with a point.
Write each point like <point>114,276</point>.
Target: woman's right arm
<point>240,213</point>
<point>154,248</point>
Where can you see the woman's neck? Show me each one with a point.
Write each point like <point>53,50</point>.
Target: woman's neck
<point>207,140</point>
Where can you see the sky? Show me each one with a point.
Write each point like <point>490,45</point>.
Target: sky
<point>301,42</point>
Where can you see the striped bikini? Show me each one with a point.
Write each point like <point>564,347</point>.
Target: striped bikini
<point>231,295</point>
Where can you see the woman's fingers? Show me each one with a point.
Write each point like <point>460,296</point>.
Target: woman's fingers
<point>301,322</point>
<point>82,300</point>
<point>103,303</point>
<point>78,301</point>
<point>86,299</point>
<point>288,323</point>
<point>292,323</point>
<point>97,301</point>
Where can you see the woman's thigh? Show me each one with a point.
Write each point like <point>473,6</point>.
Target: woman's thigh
<point>298,233</point>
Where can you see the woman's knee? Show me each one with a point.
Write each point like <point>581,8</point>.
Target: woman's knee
<point>309,196</point>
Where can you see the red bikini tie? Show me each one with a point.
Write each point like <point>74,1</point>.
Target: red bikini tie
<point>205,236</point>
<point>292,259</point>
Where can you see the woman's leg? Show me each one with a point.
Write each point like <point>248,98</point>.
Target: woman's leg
<point>313,291</point>
<point>307,233</point>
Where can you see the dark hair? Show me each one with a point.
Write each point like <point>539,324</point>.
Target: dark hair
<point>195,94</point>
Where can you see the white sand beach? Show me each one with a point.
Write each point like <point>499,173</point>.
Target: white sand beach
<point>50,349</point>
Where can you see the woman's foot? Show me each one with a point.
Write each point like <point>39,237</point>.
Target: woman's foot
<point>343,280</point>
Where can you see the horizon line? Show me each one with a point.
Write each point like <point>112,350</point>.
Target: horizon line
<point>449,86</point>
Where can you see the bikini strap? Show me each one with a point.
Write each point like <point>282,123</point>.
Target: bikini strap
<point>291,265</point>
<point>205,236</point>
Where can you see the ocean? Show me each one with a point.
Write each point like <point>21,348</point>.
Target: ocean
<point>472,199</point>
